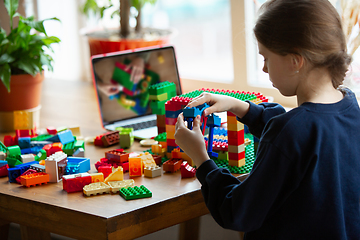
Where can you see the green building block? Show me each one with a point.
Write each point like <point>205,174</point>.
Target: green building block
<point>41,137</point>
<point>3,148</point>
<point>136,192</point>
<point>14,152</point>
<point>41,155</point>
<point>162,87</point>
<point>12,162</point>
<point>161,137</point>
<point>126,137</point>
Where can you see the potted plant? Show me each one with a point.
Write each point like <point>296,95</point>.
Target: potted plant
<point>24,52</point>
<point>125,37</point>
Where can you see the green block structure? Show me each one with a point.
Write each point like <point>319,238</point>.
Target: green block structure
<point>249,159</point>
<point>136,192</point>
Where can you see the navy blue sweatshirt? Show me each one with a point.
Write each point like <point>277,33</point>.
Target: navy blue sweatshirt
<point>305,182</point>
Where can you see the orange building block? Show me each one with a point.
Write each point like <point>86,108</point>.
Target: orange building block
<point>135,167</point>
<point>34,179</point>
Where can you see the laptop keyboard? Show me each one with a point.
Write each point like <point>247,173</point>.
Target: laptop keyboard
<point>141,125</point>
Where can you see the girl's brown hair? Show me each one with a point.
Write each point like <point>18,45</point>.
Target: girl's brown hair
<point>310,28</point>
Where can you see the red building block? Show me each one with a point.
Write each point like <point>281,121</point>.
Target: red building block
<point>76,182</point>
<point>172,165</point>
<point>4,171</point>
<point>106,170</point>
<point>27,172</point>
<point>51,130</point>
<point>236,156</point>
<point>110,138</point>
<point>187,171</point>
<point>235,137</point>
<point>117,155</point>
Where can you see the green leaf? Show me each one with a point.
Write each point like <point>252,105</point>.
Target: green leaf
<point>11,7</point>
<point>28,67</point>
<point>5,73</point>
<point>6,58</point>
<point>49,40</point>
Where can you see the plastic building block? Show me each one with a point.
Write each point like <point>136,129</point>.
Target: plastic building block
<point>75,130</point>
<point>172,165</point>
<point>76,182</point>
<point>96,188</point>
<point>38,167</point>
<point>110,138</point>
<point>126,137</point>
<point>136,192</point>
<point>176,153</point>
<point>117,155</point>
<point>187,171</point>
<point>152,171</point>
<point>147,160</point>
<point>105,170</point>
<point>77,165</point>
<point>27,172</point>
<point>55,166</point>
<point>34,179</point>
<point>51,130</point>
<point>27,158</point>
<point>97,177</point>
<point>115,186</point>
<point>14,152</point>
<point>80,152</point>
<point>65,137</point>
<point>116,175</point>
<point>16,171</point>
<point>24,142</point>
<point>135,166</point>
<point>4,170</point>
<point>3,163</point>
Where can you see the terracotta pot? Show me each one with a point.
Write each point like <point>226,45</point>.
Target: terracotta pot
<point>25,93</point>
<point>106,44</point>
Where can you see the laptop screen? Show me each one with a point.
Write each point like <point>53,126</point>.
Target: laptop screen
<point>122,79</point>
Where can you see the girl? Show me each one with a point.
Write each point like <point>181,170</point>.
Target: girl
<point>305,182</point>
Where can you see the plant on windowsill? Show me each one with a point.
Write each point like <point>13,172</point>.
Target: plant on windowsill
<point>23,57</point>
<point>124,37</point>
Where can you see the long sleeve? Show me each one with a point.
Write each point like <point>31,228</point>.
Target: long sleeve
<point>258,116</point>
<point>244,206</point>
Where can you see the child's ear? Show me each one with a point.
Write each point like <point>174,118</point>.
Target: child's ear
<point>297,62</point>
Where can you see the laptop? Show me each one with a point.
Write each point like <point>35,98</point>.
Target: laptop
<point>123,103</point>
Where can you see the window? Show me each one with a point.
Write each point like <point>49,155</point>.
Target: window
<point>202,36</point>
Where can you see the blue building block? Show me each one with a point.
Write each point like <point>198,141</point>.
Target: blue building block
<point>77,165</point>
<point>173,114</point>
<point>16,171</point>
<point>65,137</point>
<point>3,163</point>
<point>24,142</point>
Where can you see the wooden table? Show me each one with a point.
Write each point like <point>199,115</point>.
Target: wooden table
<point>48,208</point>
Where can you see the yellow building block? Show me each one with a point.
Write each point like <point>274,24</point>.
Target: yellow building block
<point>237,163</point>
<point>236,149</point>
<point>151,172</point>
<point>235,127</point>
<point>116,175</point>
<point>147,160</point>
<point>232,120</point>
<point>97,177</point>
<point>115,186</point>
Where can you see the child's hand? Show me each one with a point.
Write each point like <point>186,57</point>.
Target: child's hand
<point>137,65</point>
<point>220,103</point>
<point>191,141</point>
